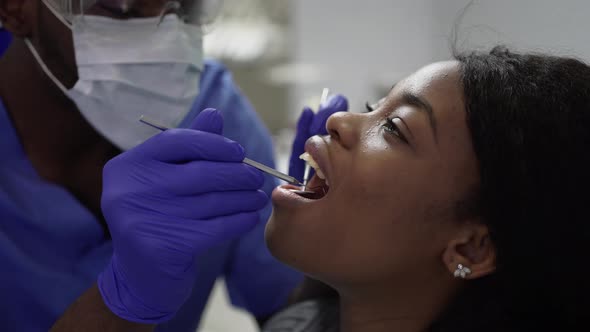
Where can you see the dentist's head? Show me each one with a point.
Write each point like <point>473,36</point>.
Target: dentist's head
<point>116,59</point>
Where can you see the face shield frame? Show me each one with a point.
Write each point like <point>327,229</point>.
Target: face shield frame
<point>195,12</point>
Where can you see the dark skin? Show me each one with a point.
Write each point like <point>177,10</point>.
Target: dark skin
<point>89,313</point>
<point>62,146</point>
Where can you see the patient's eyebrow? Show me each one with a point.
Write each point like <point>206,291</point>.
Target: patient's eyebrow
<point>422,104</point>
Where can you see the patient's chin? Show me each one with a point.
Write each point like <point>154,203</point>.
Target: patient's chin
<point>303,239</point>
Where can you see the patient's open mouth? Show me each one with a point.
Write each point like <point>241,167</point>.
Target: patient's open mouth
<point>316,188</point>
<point>318,185</point>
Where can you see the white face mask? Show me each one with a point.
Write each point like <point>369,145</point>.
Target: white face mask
<point>129,68</point>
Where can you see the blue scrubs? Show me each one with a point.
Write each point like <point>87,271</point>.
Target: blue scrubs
<point>5,39</point>
<point>52,248</point>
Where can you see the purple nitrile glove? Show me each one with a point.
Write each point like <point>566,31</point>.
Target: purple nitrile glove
<point>166,201</point>
<point>311,124</point>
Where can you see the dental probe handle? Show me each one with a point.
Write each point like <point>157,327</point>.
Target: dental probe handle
<point>272,171</point>
<point>255,164</point>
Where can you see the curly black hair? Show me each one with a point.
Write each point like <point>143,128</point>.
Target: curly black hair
<point>529,119</point>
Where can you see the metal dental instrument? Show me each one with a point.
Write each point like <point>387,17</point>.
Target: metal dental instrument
<point>247,161</point>
<point>306,175</point>
<point>303,190</point>
<point>307,171</point>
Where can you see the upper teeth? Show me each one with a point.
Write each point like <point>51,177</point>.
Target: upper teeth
<point>309,160</point>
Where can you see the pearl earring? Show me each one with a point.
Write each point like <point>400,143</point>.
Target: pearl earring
<point>462,271</point>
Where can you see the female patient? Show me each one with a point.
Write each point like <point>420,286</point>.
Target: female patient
<point>456,203</point>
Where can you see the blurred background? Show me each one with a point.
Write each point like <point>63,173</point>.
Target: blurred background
<point>282,53</point>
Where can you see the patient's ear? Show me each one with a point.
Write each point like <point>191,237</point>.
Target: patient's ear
<point>17,16</point>
<point>473,249</point>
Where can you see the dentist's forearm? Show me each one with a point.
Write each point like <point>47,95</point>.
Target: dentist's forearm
<point>90,314</point>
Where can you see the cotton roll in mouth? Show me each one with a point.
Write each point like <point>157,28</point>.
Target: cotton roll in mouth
<point>311,162</point>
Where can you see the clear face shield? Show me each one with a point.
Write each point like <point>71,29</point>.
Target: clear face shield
<point>195,12</point>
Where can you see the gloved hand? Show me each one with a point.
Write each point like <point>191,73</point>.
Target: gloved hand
<point>166,201</point>
<point>311,124</point>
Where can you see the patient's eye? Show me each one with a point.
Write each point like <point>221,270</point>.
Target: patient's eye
<point>390,127</point>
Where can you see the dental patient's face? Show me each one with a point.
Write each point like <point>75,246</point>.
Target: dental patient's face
<point>395,176</point>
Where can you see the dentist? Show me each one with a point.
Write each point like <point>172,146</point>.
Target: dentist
<point>73,83</point>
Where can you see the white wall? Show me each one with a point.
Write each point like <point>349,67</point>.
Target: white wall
<point>362,44</point>
<point>355,42</point>
<point>559,27</point>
